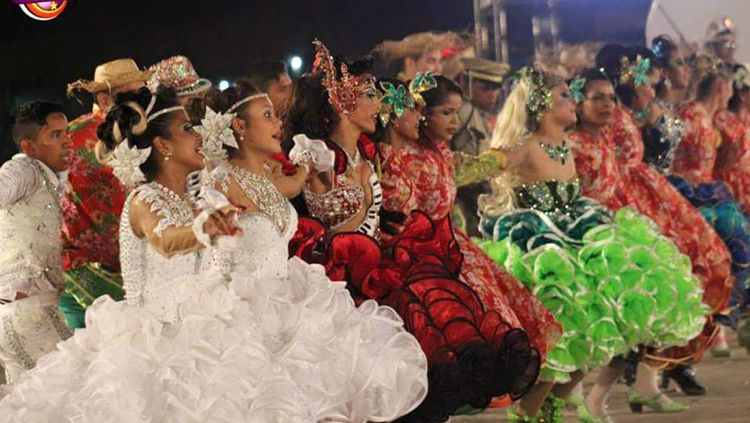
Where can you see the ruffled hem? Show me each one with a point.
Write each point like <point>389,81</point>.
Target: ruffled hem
<point>718,207</point>
<point>613,283</point>
<point>473,354</point>
<point>293,350</point>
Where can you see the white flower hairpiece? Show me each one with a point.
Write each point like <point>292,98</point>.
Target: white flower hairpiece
<point>742,77</point>
<point>316,151</point>
<point>215,128</point>
<point>126,163</point>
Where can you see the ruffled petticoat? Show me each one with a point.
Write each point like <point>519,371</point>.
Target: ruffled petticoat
<point>612,281</point>
<point>718,207</point>
<point>293,350</point>
<point>474,353</point>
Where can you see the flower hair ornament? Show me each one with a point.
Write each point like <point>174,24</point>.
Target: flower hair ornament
<point>216,129</point>
<point>636,72</point>
<point>126,160</point>
<point>741,79</point>
<point>540,96</point>
<point>422,82</point>
<point>342,92</point>
<point>393,101</point>
<point>576,88</point>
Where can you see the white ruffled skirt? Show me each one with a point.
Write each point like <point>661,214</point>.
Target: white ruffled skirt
<point>260,350</point>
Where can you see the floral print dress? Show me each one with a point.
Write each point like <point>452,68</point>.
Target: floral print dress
<point>613,172</point>
<point>420,177</point>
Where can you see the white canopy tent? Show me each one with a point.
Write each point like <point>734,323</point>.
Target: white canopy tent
<point>690,18</point>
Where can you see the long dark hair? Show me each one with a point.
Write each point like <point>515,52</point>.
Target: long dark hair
<point>308,110</point>
<point>130,125</point>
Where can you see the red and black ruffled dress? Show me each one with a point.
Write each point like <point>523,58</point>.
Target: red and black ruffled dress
<point>474,354</point>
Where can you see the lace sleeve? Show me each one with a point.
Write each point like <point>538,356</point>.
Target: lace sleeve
<point>17,180</point>
<point>471,169</point>
<point>165,225</point>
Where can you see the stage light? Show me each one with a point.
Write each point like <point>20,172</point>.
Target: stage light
<point>296,63</point>
<point>223,84</point>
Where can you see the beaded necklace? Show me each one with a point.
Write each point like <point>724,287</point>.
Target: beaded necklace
<point>558,153</point>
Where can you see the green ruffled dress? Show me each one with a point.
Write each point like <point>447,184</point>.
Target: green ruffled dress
<point>611,280</point>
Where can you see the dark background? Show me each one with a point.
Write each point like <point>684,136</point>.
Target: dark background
<point>38,59</point>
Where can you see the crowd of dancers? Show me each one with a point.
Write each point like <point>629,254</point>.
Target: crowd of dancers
<point>363,246</point>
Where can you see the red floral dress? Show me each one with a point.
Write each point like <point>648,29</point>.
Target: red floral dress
<point>419,177</point>
<point>734,154</point>
<point>695,156</point>
<point>93,202</point>
<point>91,224</point>
<point>613,173</point>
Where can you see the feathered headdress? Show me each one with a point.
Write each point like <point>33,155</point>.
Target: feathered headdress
<point>342,92</point>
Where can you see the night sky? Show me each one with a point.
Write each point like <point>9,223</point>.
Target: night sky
<point>38,59</point>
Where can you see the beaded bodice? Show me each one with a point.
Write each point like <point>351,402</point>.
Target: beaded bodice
<point>661,140</point>
<point>344,201</point>
<point>550,196</point>
<point>151,280</point>
<point>263,250</point>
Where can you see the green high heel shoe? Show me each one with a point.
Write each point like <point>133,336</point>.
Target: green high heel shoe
<point>517,418</point>
<point>637,401</point>
<point>551,412</point>
<point>584,415</point>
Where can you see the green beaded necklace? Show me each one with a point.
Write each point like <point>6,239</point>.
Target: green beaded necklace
<point>558,153</point>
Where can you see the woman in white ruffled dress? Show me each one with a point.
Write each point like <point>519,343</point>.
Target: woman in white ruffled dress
<point>237,335</point>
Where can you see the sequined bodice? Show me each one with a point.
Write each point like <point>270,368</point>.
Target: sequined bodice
<point>263,250</point>
<point>344,201</point>
<point>661,140</point>
<point>151,280</point>
<point>551,196</point>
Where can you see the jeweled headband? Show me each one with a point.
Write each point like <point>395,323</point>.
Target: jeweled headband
<point>540,95</point>
<point>342,92</point>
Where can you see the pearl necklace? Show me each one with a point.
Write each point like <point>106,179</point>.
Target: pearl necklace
<point>353,163</point>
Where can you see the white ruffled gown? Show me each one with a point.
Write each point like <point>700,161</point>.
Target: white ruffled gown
<point>281,343</point>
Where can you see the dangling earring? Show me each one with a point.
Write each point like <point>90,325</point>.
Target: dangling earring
<point>167,156</point>
<point>242,137</point>
<point>668,83</point>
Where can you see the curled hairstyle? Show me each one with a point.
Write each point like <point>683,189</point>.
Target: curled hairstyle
<point>514,123</point>
<point>308,110</point>
<point>222,101</point>
<point>127,120</point>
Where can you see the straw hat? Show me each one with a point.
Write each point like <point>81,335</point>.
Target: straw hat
<point>179,74</point>
<point>111,75</point>
<point>414,45</point>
